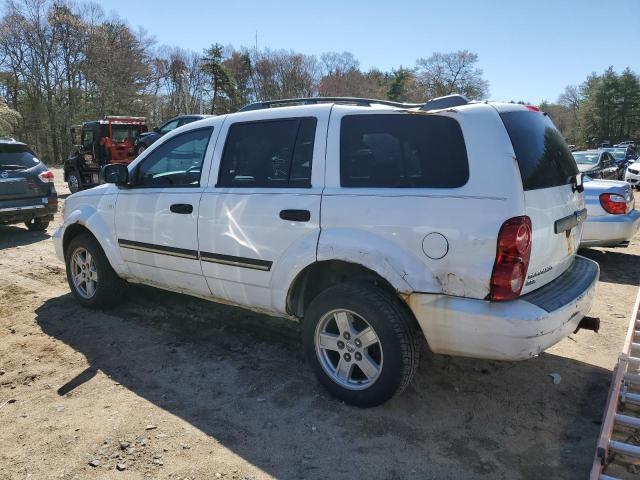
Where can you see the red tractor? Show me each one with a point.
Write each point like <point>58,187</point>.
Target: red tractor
<point>97,143</point>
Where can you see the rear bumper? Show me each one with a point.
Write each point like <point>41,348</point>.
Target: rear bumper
<point>513,330</point>
<point>25,210</point>
<point>610,230</point>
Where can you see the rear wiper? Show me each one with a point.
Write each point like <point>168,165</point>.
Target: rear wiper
<point>12,167</point>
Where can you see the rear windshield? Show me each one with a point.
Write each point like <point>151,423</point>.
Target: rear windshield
<point>585,158</point>
<point>17,157</point>
<point>402,151</point>
<point>542,154</point>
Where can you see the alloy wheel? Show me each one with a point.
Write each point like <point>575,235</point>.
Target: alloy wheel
<point>348,349</point>
<point>84,273</point>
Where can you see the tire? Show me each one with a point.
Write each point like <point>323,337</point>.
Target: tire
<point>396,352</point>
<point>102,286</point>
<point>73,182</point>
<point>37,225</point>
<point>140,148</point>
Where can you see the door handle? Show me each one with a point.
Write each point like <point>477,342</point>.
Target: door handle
<point>183,208</point>
<point>295,215</point>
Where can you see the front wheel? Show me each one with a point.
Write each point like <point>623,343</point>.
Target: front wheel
<point>91,278</point>
<point>361,342</point>
<point>73,182</point>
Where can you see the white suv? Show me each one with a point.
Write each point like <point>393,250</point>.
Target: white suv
<point>368,220</point>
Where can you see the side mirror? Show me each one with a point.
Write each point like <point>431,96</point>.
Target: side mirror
<point>115,173</point>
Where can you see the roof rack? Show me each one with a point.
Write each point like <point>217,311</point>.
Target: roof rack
<point>363,102</point>
<point>435,104</point>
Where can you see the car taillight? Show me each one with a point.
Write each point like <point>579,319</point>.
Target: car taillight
<point>46,176</point>
<point>512,259</point>
<point>614,204</point>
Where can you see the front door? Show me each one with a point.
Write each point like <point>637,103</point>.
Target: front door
<point>156,219</point>
<point>264,210</point>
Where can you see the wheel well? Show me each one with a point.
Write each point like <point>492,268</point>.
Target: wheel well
<point>319,276</point>
<point>71,232</point>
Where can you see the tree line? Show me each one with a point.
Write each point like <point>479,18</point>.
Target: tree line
<point>63,63</point>
<point>604,107</point>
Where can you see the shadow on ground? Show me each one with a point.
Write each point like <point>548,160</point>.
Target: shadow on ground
<point>240,378</point>
<point>616,266</point>
<point>12,236</point>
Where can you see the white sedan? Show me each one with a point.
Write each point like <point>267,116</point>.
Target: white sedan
<point>612,219</point>
<point>633,174</point>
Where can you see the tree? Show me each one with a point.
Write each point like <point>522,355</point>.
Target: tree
<point>447,73</point>
<point>219,77</point>
<point>401,84</point>
<point>9,119</point>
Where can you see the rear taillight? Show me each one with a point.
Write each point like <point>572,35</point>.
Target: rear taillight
<point>46,176</point>
<point>512,259</point>
<point>614,204</point>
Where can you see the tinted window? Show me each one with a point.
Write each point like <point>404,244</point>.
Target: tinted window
<point>273,153</point>
<point>17,157</point>
<point>405,151</point>
<point>541,152</point>
<point>177,162</point>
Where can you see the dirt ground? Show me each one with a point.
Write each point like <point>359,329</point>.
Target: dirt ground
<point>171,387</point>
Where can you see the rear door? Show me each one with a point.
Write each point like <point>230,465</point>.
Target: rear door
<point>265,204</point>
<point>552,200</point>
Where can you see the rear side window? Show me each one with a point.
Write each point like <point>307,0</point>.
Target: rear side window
<point>17,157</point>
<point>542,154</point>
<point>402,151</point>
<point>269,154</point>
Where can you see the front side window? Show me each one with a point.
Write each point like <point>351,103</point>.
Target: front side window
<point>269,154</point>
<point>402,151</point>
<point>177,162</point>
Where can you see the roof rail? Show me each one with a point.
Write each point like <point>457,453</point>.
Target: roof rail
<point>364,102</point>
<point>448,101</point>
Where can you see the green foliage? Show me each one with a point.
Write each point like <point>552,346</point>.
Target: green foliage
<point>9,119</point>
<point>604,107</point>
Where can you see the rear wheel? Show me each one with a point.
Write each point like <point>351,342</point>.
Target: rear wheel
<point>91,279</point>
<point>361,343</point>
<point>37,225</point>
<point>73,182</point>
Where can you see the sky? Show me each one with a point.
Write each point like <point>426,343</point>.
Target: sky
<point>528,49</point>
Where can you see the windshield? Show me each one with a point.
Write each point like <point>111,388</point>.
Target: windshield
<point>120,133</point>
<point>586,158</point>
<point>620,153</point>
<point>17,157</point>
